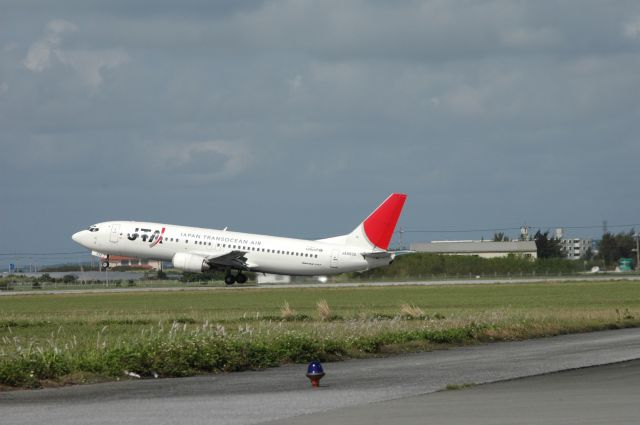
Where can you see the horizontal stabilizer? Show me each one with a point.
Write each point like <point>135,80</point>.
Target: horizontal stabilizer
<point>378,254</point>
<point>403,252</point>
<point>386,254</point>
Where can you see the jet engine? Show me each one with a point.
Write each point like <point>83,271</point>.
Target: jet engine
<point>190,262</point>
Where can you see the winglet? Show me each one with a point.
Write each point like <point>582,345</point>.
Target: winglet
<point>381,223</point>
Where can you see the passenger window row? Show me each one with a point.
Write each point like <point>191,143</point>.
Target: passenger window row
<point>269,250</point>
<point>248,248</point>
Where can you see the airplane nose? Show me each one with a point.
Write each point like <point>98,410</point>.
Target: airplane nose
<point>78,237</point>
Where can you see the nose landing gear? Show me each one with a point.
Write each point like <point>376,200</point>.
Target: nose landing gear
<point>105,263</point>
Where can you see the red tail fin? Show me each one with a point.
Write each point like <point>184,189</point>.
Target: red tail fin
<point>379,226</point>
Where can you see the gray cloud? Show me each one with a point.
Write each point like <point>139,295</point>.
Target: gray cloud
<point>298,117</point>
<point>87,64</point>
<point>39,55</point>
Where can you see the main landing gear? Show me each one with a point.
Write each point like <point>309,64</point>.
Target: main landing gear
<point>230,279</point>
<point>105,263</point>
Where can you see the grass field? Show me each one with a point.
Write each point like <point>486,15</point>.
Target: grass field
<point>48,339</point>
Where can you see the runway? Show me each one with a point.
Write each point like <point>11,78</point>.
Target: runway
<point>186,288</point>
<point>283,394</point>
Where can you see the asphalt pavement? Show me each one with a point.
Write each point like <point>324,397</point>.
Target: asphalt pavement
<point>284,393</point>
<point>596,395</point>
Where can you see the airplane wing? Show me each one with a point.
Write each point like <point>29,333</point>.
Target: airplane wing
<point>235,259</point>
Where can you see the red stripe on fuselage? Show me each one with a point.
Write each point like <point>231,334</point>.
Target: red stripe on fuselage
<point>157,240</point>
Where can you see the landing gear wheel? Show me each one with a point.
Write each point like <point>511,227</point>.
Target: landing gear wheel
<point>229,279</point>
<point>105,264</point>
<point>241,278</point>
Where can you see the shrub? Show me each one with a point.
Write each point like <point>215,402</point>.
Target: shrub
<point>410,311</point>
<point>69,278</point>
<point>323,310</point>
<point>286,312</point>
<point>427,264</point>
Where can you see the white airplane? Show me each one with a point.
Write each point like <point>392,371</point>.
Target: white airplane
<point>196,249</point>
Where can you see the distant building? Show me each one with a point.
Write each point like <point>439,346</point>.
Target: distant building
<point>272,278</point>
<point>484,249</point>
<point>119,261</point>
<point>576,248</point>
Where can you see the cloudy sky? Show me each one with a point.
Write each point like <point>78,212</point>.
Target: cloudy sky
<point>297,118</point>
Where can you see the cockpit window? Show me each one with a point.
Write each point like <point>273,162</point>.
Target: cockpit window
<point>93,229</point>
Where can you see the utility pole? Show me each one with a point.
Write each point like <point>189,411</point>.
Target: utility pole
<point>400,238</point>
<point>637,251</point>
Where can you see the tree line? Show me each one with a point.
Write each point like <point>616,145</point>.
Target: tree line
<point>611,249</point>
<point>424,264</point>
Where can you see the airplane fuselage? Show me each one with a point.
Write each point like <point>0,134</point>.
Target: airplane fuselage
<point>263,253</point>
<point>197,249</point>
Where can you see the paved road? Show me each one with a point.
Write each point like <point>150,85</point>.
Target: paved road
<point>597,395</point>
<point>484,281</point>
<point>281,393</point>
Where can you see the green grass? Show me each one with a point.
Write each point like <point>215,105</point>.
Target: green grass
<point>456,387</point>
<point>74,337</point>
<point>229,303</point>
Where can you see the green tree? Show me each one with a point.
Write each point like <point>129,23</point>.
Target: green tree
<point>607,249</point>
<point>547,247</point>
<point>44,278</point>
<point>207,276</point>
<point>613,247</point>
<point>500,237</point>
<point>625,244</point>
<point>69,278</point>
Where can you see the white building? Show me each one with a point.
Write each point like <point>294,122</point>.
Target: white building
<point>272,278</point>
<point>120,261</point>
<point>576,248</point>
<point>484,249</point>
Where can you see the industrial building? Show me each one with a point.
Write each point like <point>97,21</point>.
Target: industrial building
<point>484,249</point>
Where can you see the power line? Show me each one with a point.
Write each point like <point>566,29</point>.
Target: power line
<point>457,231</point>
<point>34,254</point>
<point>595,227</point>
<point>494,229</point>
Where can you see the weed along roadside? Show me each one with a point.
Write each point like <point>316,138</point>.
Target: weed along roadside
<point>64,339</point>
